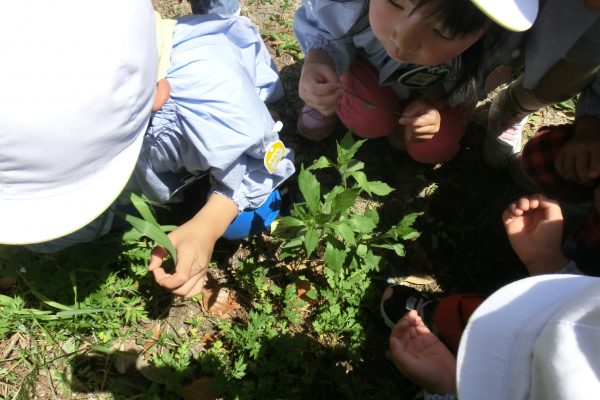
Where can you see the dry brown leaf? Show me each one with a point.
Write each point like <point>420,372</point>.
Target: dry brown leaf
<point>200,389</point>
<point>218,301</point>
<point>208,338</point>
<point>303,287</point>
<point>156,331</point>
<point>419,279</point>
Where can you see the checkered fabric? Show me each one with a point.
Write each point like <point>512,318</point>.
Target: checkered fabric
<point>538,164</point>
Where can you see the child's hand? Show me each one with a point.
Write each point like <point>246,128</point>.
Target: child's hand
<point>194,242</point>
<point>579,159</point>
<point>194,251</point>
<point>421,356</point>
<point>534,227</point>
<point>319,85</point>
<point>421,121</point>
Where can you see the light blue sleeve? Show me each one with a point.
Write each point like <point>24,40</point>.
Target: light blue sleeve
<point>215,119</point>
<point>324,24</point>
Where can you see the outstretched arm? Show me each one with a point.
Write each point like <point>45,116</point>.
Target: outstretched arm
<point>421,356</point>
<point>534,227</point>
<point>194,242</point>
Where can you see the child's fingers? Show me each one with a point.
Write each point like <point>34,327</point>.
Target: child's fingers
<point>156,257</point>
<point>192,287</point>
<point>416,121</point>
<point>183,272</point>
<point>327,89</point>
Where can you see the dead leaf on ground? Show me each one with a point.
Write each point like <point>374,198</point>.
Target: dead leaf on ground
<point>218,301</point>
<point>200,389</point>
<point>303,287</point>
<point>419,279</point>
<point>156,331</point>
<point>208,338</point>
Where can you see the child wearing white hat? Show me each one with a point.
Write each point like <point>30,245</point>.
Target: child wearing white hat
<point>536,338</point>
<point>78,129</point>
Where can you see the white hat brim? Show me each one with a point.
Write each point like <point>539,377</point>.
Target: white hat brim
<point>514,15</point>
<point>27,221</point>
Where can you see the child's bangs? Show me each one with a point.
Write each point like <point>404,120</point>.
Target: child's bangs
<point>458,17</point>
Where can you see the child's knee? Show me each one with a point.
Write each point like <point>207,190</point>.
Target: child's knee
<point>366,107</point>
<point>429,152</point>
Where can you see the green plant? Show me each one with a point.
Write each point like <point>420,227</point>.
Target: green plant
<point>331,227</point>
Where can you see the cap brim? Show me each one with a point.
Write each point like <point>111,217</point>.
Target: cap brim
<point>26,221</point>
<point>513,15</point>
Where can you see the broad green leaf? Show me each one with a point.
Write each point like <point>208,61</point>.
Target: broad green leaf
<point>361,224</point>
<point>404,229</point>
<point>361,249</point>
<point>343,201</point>
<point>329,197</point>
<point>334,258</point>
<point>355,165</point>
<point>371,261</point>
<point>348,147</point>
<point>152,231</point>
<point>287,224</point>
<point>379,188</point>
<point>311,190</point>
<point>311,241</point>
<point>410,219</point>
<point>397,248</point>
<point>344,230</point>
<point>322,162</point>
<point>373,215</point>
<point>360,178</point>
<point>142,207</point>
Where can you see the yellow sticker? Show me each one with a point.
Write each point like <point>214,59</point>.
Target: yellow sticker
<point>274,154</point>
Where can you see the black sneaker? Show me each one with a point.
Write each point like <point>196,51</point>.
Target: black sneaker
<point>397,300</point>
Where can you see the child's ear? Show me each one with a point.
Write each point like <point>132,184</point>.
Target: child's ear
<point>161,95</point>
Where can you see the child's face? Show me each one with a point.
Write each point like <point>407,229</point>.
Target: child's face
<point>410,36</point>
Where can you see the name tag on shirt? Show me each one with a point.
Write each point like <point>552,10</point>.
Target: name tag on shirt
<point>273,155</point>
<point>424,77</point>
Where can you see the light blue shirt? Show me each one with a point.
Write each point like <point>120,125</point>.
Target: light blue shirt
<point>215,119</point>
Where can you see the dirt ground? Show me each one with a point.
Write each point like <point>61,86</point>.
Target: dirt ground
<point>463,245</point>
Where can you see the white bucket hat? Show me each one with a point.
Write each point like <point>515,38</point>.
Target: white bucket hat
<point>536,338</point>
<point>77,89</point>
<point>514,15</point>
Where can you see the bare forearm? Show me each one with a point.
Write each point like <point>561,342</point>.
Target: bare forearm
<point>216,215</point>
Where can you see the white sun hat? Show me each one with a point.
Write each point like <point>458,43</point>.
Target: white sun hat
<point>78,82</point>
<point>514,15</point>
<point>536,338</point>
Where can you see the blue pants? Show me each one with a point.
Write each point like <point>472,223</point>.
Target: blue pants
<point>248,222</point>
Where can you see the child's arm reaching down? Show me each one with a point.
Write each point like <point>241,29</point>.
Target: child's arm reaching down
<point>194,242</point>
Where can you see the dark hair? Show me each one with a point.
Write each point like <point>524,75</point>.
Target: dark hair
<point>459,18</point>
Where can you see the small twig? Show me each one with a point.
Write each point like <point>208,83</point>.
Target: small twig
<point>10,347</point>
